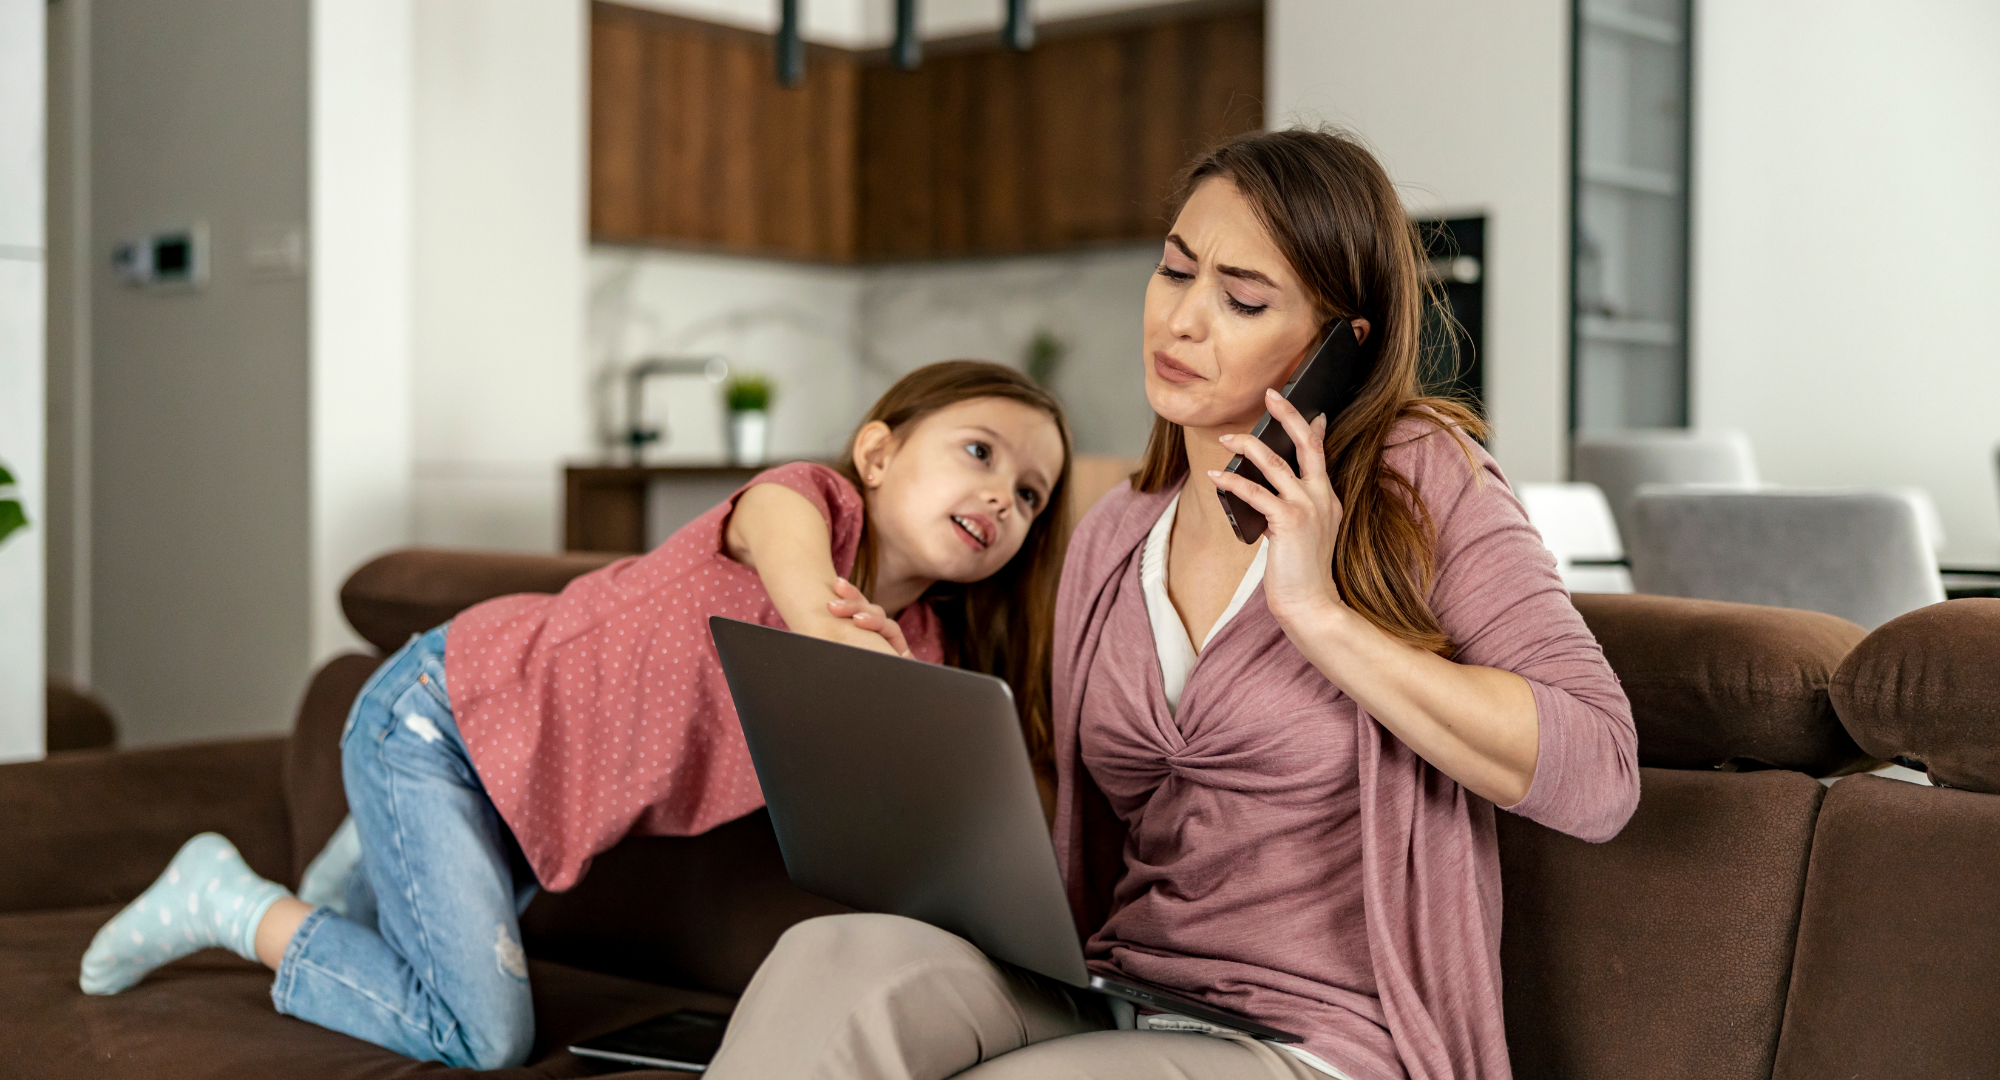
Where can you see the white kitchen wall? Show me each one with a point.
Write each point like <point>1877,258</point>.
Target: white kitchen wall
<point>1846,168</point>
<point>501,393</point>
<point>834,338</point>
<point>990,309</point>
<point>21,402</point>
<point>796,323</point>
<point>362,276</point>
<point>1466,102</point>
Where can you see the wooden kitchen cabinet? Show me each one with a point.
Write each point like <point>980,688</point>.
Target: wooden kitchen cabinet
<point>693,143</point>
<point>981,151</point>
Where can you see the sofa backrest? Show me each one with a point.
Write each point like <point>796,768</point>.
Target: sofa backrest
<point>1668,950</point>
<point>1899,940</point>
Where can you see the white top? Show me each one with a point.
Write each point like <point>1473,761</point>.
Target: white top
<point>1170,637</point>
<point>1177,655</point>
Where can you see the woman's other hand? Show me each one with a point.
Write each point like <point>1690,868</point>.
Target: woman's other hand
<point>851,605</point>
<point>1302,520</point>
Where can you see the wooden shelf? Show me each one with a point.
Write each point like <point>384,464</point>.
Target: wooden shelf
<point>604,506</point>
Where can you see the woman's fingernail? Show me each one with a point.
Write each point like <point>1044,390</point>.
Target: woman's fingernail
<point>1226,438</point>
<point>1214,472</point>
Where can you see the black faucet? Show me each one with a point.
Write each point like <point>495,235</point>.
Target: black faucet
<point>637,435</point>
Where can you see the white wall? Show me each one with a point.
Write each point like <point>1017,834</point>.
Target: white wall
<point>1847,210</point>
<point>501,384</point>
<point>796,323</point>
<point>363,111</point>
<point>833,338</point>
<point>1466,102</point>
<point>21,402</point>
<point>990,309</point>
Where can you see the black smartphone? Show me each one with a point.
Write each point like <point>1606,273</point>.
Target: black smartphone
<point>1325,383</point>
<point>685,1039</point>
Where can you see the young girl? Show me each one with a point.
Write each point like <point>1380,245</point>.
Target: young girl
<point>545,729</point>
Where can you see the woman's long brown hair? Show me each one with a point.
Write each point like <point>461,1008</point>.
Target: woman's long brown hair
<point>1003,625</point>
<point>1333,212</point>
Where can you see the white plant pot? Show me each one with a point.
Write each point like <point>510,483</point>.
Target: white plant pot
<point>749,437</point>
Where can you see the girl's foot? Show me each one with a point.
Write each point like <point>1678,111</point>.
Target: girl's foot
<point>208,897</point>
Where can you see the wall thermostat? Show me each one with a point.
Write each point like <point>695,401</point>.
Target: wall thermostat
<point>172,258</point>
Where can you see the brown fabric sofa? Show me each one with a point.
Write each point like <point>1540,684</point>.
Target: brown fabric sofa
<point>1747,923</point>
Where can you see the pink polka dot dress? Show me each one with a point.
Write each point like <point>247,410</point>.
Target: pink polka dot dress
<point>601,712</point>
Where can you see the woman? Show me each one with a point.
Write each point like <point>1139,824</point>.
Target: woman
<point>1277,764</point>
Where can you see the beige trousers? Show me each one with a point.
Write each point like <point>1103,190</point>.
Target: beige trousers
<point>880,997</point>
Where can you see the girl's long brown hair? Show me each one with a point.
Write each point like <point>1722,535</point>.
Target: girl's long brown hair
<point>1333,212</point>
<point>1003,625</point>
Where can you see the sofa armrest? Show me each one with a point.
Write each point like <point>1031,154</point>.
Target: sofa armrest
<point>97,827</point>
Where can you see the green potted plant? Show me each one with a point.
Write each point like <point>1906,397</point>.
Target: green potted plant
<point>12,517</point>
<point>749,397</point>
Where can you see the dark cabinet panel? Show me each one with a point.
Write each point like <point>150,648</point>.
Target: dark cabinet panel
<point>694,144</point>
<point>981,151</point>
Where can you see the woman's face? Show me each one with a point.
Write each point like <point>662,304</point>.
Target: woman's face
<point>1226,317</point>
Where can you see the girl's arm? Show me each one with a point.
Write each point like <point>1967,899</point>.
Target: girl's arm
<point>780,534</point>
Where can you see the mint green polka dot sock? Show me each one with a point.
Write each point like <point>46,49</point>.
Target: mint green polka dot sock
<point>207,897</point>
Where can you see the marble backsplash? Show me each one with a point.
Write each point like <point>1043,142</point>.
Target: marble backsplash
<point>833,338</point>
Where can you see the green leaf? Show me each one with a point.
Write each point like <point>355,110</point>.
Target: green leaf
<point>6,477</point>
<point>11,518</point>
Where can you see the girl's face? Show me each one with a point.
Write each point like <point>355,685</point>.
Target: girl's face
<point>952,495</point>
<point>1226,316</point>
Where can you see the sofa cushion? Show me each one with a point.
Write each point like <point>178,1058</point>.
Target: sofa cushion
<point>410,591</point>
<point>1925,688</point>
<point>1899,941</point>
<point>1666,951</point>
<point>210,1015</point>
<point>1722,685</point>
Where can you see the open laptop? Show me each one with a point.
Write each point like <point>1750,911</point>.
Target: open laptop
<point>904,787</point>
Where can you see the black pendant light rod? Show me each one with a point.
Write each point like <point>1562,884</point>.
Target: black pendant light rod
<point>1020,31</point>
<point>791,48</point>
<point>908,51</point>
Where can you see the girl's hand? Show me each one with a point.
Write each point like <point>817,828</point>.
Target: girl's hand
<point>1303,518</point>
<point>851,605</point>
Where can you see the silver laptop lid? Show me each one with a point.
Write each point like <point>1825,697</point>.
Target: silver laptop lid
<point>902,787</point>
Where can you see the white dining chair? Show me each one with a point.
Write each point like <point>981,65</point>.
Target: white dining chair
<point>1618,462</point>
<point>1576,524</point>
<point>1861,555</point>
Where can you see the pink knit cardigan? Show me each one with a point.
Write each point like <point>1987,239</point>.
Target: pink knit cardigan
<point>1431,888</point>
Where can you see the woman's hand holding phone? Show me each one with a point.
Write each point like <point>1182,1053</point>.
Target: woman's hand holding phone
<point>1302,519</point>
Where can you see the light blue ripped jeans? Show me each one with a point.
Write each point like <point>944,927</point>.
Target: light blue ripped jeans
<point>428,962</point>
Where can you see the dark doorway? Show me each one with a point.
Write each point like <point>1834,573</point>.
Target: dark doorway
<point>1454,335</point>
